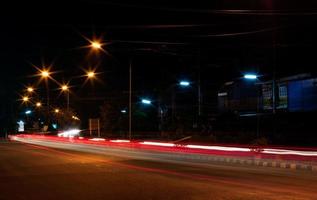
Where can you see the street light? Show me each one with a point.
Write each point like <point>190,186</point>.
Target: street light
<point>25,99</point>
<point>95,45</point>
<point>30,89</point>
<point>254,77</point>
<point>45,73</point>
<point>250,76</point>
<point>56,110</point>
<point>91,74</point>
<point>28,112</point>
<point>38,104</point>
<point>146,101</point>
<point>184,83</point>
<point>65,88</point>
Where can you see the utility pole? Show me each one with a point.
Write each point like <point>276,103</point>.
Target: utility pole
<point>199,96</point>
<point>273,91</point>
<point>67,100</point>
<point>130,99</point>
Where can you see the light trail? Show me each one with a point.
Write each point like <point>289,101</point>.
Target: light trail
<point>161,144</point>
<point>97,139</point>
<point>289,152</point>
<point>218,148</point>
<point>120,141</point>
<point>303,154</point>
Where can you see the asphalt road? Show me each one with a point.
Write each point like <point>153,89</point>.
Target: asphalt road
<point>35,172</point>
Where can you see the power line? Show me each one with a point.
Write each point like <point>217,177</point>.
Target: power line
<point>278,12</point>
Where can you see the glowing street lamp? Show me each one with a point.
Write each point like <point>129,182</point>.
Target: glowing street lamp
<point>45,73</point>
<point>96,45</point>
<point>28,112</point>
<point>65,88</point>
<point>38,104</point>
<point>146,101</point>
<point>250,76</point>
<point>25,99</point>
<point>30,89</point>
<point>91,74</point>
<point>56,110</point>
<point>184,83</point>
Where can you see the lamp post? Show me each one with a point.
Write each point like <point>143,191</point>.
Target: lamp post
<point>254,77</point>
<point>45,74</point>
<point>38,104</point>
<point>184,84</point>
<point>148,102</point>
<point>130,99</point>
<point>30,89</point>
<point>25,99</point>
<point>96,45</point>
<point>65,89</point>
<point>91,74</point>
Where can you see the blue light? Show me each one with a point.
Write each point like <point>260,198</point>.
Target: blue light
<point>146,101</point>
<point>54,126</point>
<point>28,112</point>
<point>250,76</point>
<point>123,111</point>
<point>184,83</point>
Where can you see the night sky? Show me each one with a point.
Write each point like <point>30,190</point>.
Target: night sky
<point>166,42</point>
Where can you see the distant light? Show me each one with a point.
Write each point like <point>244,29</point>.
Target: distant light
<point>64,87</point>
<point>222,94</point>
<point>146,101</point>
<point>45,73</point>
<point>123,111</point>
<point>56,110</point>
<point>69,133</point>
<point>38,104</point>
<point>96,45</point>
<point>184,83</point>
<point>28,112</point>
<point>54,126</point>
<point>91,74</point>
<point>250,76</point>
<point>30,89</point>
<point>75,118</point>
<point>25,99</point>
<point>20,126</point>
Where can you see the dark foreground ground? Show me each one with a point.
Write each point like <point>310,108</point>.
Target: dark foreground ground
<point>34,172</point>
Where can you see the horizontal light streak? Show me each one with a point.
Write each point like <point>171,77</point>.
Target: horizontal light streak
<point>271,151</point>
<point>97,139</point>
<point>289,152</point>
<point>120,141</point>
<point>218,148</point>
<point>162,144</point>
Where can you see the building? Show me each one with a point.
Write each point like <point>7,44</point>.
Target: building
<point>292,94</point>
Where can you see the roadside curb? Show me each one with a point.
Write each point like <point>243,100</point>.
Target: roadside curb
<point>281,164</point>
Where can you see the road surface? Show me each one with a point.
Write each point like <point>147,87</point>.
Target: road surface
<point>35,172</point>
